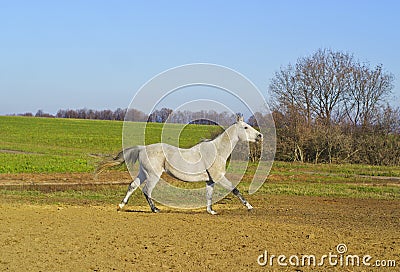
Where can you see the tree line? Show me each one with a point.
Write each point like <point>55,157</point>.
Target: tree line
<point>205,117</point>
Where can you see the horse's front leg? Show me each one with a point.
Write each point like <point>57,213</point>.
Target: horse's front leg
<point>242,199</point>
<point>228,185</point>
<point>209,193</point>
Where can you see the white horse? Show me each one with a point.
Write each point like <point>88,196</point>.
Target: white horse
<point>205,161</point>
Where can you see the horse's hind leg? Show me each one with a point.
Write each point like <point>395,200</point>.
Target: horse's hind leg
<point>132,187</point>
<point>151,204</point>
<point>147,190</point>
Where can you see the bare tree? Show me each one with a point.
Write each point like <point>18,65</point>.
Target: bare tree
<point>324,106</point>
<point>323,81</point>
<point>368,89</point>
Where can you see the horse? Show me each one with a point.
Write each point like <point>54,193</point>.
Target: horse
<point>204,162</point>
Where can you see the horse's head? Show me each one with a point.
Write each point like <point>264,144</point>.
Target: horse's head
<point>247,132</point>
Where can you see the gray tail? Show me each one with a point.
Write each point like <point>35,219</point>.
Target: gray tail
<point>131,155</point>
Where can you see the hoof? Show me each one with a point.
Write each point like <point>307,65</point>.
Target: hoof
<point>120,206</point>
<point>212,212</point>
<point>249,207</point>
<point>155,210</point>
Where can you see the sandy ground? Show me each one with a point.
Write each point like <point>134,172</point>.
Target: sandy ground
<point>42,237</point>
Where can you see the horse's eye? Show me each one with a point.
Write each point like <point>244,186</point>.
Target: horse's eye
<point>246,127</point>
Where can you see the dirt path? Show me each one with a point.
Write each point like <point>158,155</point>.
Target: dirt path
<point>97,238</point>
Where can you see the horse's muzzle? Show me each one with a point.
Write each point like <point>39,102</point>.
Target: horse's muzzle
<point>259,137</point>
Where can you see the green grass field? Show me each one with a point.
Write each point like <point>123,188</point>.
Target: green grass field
<point>41,145</point>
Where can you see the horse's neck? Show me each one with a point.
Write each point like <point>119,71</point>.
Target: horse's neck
<point>226,142</point>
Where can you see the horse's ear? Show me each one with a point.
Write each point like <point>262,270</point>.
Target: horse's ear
<point>239,118</point>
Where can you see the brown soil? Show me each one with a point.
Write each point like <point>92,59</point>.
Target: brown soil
<point>66,237</point>
<point>26,179</point>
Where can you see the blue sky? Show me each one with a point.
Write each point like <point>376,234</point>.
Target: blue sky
<point>97,54</point>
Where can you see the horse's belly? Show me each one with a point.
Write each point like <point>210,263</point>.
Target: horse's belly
<point>189,164</point>
<point>186,176</point>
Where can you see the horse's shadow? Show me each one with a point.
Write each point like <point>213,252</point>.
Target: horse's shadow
<point>162,211</point>
<point>133,211</point>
